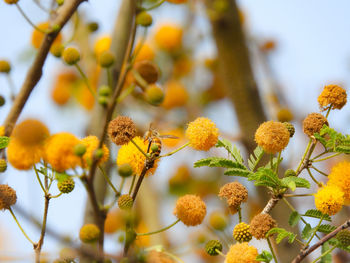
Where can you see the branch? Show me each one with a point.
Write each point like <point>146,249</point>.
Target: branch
<point>35,72</point>
<point>306,251</point>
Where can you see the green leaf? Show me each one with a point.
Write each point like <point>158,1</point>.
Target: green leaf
<point>343,149</point>
<point>307,231</point>
<point>299,182</point>
<point>217,162</point>
<point>255,158</point>
<point>281,234</point>
<point>294,218</point>
<point>265,256</point>
<point>327,258</point>
<point>4,142</point>
<point>326,228</point>
<point>239,171</point>
<point>233,150</point>
<point>317,214</point>
<point>265,177</point>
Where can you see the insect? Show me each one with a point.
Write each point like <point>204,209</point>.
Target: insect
<point>154,140</point>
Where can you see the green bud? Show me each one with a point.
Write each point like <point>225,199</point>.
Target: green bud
<point>60,2</point>
<point>290,128</point>
<point>154,147</point>
<point>104,90</point>
<point>71,55</point>
<point>2,101</point>
<point>98,154</point>
<point>93,26</point>
<point>103,100</point>
<point>144,19</point>
<point>3,165</point>
<point>125,170</point>
<point>66,186</point>
<point>344,238</point>
<point>106,59</point>
<point>290,172</point>
<point>212,246</point>
<point>125,202</point>
<point>79,149</point>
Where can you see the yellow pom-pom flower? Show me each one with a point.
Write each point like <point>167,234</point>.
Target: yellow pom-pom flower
<point>241,232</point>
<point>129,154</point>
<point>59,151</point>
<point>202,134</point>
<point>89,233</point>
<point>2,130</point>
<point>102,44</point>
<point>190,209</point>
<point>176,95</point>
<point>332,95</point>
<point>169,37</point>
<point>144,52</point>
<point>38,36</point>
<point>340,176</point>
<point>329,199</point>
<point>241,253</point>
<point>31,132</point>
<point>272,136</point>
<point>91,142</point>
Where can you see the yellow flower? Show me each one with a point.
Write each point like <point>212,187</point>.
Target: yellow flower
<point>2,130</point>
<point>89,233</point>
<point>146,52</point>
<point>38,37</point>
<point>31,132</point>
<point>59,151</point>
<point>332,95</point>
<point>202,134</point>
<point>91,143</point>
<point>190,209</point>
<point>241,253</point>
<point>129,154</point>
<point>142,241</point>
<point>284,115</point>
<point>176,95</point>
<point>340,176</point>
<point>169,37</point>
<point>272,136</point>
<point>23,157</point>
<point>102,44</point>
<point>63,87</point>
<point>329,199</point>
<point>114,221</point>
<point>261,224</point>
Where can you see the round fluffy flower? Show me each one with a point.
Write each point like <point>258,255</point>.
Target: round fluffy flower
<point>176,95</point>
<point>202,134</point>
<point>340,176</point>
<point>102,44</point>
<point>234,193</point>
<point>31,132</point>
<point>114,221</point>
<point>71,55</point>
<point>332,95</point>
<point>313,123</point>
<point>344,238</point>
<point>89,233</point>
<point>272,136</point>
<point>91,143</point>
<point>241,232</point>
<point>38,36</point>
<point>241,253</point>
<point>2,130</point>
<point>329,199</point>
<point>11,2</point>
<point>121,130</point>
<point>218,221</point>
<point>129,154</point>
<point>59,151</point>
<point>148,71</point>
<point>23,157</point>
<point>63,87</point>
<point>190,209</point>
<point>145,52</point>
<point>169,37</point>
<point>8,196</point>
<point>261,224</point>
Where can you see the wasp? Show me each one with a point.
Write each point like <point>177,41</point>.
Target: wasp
<point>154,140</point>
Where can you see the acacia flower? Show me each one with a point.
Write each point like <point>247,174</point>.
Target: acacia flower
<point>8,196</point>
<point>176,95</point>
<point>241,253</point>
<point>31,132</point>
<point>234,193</point>
<point>129,154</point>
<point>38,36</point>
<point>169,37</point>
<point>329,199</point>
<point>190,209</point>
<point>242,233</point>
<point>202,134</point>
<point>313,123</point>
<point>340,176</point>
<point>2,130</point>
<point>59,151</point>
<point>272,136</point>
<point>261,224</point>
<point>145,52</point>
<point>121,130</point>
<point>91,143</point>
<point>333,95</point>
<point>89,233</point>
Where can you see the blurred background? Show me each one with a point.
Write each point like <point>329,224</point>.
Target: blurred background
<point>296,47</point>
